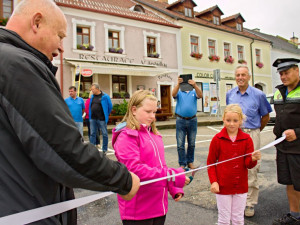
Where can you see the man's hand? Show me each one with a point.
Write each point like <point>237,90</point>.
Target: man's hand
<point>214,188</point>
<point>256,155</point>
<point>135,187</point>
<point>192,82</point>
<point>290,135</point>
<point>180,80</point>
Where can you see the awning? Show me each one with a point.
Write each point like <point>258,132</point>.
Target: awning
<point>99,67</point>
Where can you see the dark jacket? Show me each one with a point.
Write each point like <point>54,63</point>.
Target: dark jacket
<point>232,176</point>
<point>42,154</point>
<point>287,117</point>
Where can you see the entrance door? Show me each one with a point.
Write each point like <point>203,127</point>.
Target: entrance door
<point>165,99</point>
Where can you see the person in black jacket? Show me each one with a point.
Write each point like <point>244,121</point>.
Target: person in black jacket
<point>42,154</point>
<point>287,107</point>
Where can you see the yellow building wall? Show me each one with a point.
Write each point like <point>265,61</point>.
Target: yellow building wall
<point>205,67</point>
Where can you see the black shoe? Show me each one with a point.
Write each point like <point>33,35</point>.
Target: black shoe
<point>287,219</point>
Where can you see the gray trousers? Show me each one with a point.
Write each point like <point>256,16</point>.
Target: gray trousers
<point>253,190</point>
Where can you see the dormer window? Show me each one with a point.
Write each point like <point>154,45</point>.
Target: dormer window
<point>216,20</point>
<point>138,8</point>
<point>239,27</point>
<point>188,12</point>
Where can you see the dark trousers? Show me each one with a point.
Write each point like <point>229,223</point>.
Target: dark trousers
<point>154,221</point>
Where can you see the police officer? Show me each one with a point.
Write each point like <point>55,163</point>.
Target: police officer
<point>287,107</point>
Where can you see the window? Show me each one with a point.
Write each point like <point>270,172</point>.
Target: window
<point>194,44</point>
<point>113,39</point>
<point>7,9</point>
<point>188,12</point>
<point>83,35</point>
<point>216,20</point>
<point>151,45</point>
<point>212,47</point>
<point>226,50</point>
<point>119,85</point>
<point>239,27</point>
<point>240,52</point>
<point>257,55</point>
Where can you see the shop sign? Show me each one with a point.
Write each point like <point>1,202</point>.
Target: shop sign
<point>115,59</point>
<point>86,72</point>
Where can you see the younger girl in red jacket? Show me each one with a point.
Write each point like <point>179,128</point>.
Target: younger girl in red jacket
<point>229,180</point>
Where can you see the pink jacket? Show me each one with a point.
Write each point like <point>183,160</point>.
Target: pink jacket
<point>87,104</point>
<point>143,154</point>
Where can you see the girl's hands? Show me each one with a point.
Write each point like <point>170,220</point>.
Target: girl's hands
<point>178,197</point>
<point>214,188</point>
<point>187,181</point>
<point>256,155</point>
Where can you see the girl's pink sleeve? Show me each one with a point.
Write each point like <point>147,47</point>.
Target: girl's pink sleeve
<point>127,152</point>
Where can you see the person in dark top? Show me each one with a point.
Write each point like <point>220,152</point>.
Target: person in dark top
<point>42,154</point>
<point>100,108</point>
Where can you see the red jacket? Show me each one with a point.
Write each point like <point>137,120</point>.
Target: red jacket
<point>232,176</point>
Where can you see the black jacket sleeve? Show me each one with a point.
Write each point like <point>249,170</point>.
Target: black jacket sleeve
<point>31,98</point>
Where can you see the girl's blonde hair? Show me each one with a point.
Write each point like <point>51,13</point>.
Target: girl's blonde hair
<point>137,100</point>
<point>236,109</point>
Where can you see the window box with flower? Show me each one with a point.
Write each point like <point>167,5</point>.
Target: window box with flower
<point>116,50</point>
<point>242,61</point>
<point>153,55</point>
<point>229,59</point>
<point>88,47</point>
<point>3,21</point>
<point>214,58</point>
<point>259,65</point>
<point>196,55</point>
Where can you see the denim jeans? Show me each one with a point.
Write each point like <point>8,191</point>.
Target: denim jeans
<point>101,125</point>
<point>79,125</point>
<point>87,122</point>
<point>186,128</point>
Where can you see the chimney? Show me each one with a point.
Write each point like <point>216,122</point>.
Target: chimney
<point>294,40</point>
<point>256,29</point>
<point>163,1</point>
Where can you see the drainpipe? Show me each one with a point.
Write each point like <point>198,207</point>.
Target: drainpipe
<point>252,62</point>
<point>61,75</point>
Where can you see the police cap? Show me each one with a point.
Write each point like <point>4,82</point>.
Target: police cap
<point>285,64</point>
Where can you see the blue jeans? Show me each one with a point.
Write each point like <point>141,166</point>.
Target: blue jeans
<point>101,125</point>
<point>79,125</point>
<point>186,128</point>
<point>87,122</point>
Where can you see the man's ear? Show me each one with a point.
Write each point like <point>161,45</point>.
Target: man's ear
<point>36,21</point>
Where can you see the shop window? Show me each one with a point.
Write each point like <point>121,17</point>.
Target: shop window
<point>119,86</point>
<point>85,86</point>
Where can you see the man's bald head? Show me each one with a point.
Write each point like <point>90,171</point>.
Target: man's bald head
<point>41,24</point>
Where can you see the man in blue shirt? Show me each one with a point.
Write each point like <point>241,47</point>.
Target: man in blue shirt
<point>76,106</point>
<point>256,108</point>
<point>186,121</point>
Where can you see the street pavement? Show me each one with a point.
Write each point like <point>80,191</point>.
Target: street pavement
<point>198,207</point>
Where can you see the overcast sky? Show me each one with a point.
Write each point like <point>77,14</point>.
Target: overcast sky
<point>270,16</point>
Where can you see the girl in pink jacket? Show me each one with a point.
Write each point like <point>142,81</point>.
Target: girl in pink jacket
<point>139,146</point>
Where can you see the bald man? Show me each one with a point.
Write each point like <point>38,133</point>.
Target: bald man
<point>42,154</point>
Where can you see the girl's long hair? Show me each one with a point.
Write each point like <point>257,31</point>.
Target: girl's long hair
<point>137,100</point>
